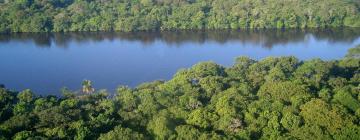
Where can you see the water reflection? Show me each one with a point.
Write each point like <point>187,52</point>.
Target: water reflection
<point>49,61</point>
<point>266,38</point>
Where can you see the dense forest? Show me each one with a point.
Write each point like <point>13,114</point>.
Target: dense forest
<point>135,15</point>
<point>274,98</point>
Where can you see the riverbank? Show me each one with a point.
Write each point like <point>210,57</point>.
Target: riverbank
<point>273,98</point>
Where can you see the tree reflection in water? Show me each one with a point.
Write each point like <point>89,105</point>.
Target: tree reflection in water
<point>267,38</point>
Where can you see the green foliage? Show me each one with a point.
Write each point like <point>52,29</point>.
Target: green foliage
<point>319,113</point>
<point>25,96</point>
<point>201,118</point>
<point>23,135</point>
<point>314,73</point>
<point>16,124</point>
<point>206,69</point>
<point>345,98</point>
<point>6,100</point>
<point>352,21</point>
<point>274,98</point>
<point>161,126</point>
<point>186,132</point>
<point>287,92</point>
<point>135,15</point>
<point>352,59</point>
<point>290,121</point>
<point>240,67</point>
<point>120,133</point>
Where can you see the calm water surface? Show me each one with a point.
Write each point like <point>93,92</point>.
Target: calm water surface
<point>47,62</point>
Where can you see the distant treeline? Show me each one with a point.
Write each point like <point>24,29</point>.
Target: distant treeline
<point>135,15</point>
<point>275,98</point>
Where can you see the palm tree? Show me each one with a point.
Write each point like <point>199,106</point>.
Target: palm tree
<point>87,87</point>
